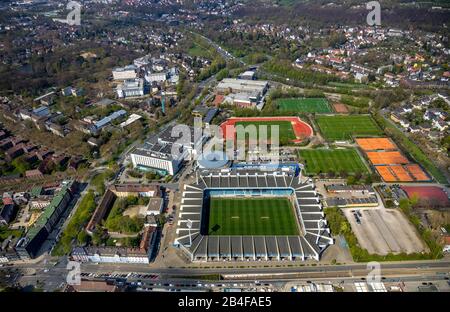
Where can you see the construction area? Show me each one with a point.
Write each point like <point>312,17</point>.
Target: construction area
<point>382,231</point>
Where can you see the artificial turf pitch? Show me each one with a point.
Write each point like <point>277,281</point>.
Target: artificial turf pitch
<point>304,105</point>
<point>252,216</point>
<point>285,128</point>
<point>333,160</point>
<point>346,127</point>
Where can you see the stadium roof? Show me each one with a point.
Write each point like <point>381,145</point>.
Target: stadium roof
<point>315,234</point>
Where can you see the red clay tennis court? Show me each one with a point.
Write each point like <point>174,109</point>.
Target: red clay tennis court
<point>417,172</point>
<point>301,129</point>
<point>430,194</point>
<point>373,144</point>
<point>340,108</point>
<point>387,158</point>
<point>386,174</point>
<point>401,174</point>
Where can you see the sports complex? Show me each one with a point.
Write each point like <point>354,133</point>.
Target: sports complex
<point>291,128</point>
<point>389,162</point>
<point>304,105</point>
<point>346,127</point>
<point>251,215</point>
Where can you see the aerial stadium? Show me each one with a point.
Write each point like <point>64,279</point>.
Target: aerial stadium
<point>251,215</point>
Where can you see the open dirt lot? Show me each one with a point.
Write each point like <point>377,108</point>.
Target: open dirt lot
<point>385,230</point>
<point>134,211</point>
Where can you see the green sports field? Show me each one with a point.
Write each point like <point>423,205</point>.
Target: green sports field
<point>304,105</point>
<point>252,216</point>
<point>336,128</point>
<point>285,128</point>
<point>335,160</point>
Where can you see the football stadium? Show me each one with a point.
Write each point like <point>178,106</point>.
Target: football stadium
<point>251,215</point>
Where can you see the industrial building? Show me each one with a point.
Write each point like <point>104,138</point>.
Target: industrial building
<point>243,92</point>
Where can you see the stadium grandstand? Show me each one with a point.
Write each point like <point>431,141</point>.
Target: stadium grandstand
<point>301,232</point>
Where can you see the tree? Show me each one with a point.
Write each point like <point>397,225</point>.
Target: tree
<point>351,180</point>
<point>21,165</point>
<point>83,238</point>
<point>344,227</point>
<point>405,205</point>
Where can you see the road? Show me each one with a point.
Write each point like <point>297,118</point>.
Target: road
<point>51,276</point>
<point>91,267</point>
<point>225,54</point>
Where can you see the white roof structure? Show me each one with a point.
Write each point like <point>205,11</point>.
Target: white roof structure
<point>130,120</point>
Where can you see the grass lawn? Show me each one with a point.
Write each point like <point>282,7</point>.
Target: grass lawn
<point>255,216</point>
<point>335,128</point>
<point>285,128</point>
<point>199,51</point>
<point>334,160</point>
<point>304,105</point>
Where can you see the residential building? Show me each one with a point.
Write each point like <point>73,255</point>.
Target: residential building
<point>155,206</point>
<point>125,73</point>
<point>7,213</point>
<point>108,119</point>
<point>131,88</point>
<point>140,190</point>
<point>31,243</point>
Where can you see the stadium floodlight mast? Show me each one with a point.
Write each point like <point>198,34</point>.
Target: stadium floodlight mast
<point>189,225</point>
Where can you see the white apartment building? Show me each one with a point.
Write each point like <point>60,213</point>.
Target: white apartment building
<point>125,73</point>
<point>156,77</point>
<point>131,88</point>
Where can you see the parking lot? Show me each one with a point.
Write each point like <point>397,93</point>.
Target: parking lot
<point>383,231</point>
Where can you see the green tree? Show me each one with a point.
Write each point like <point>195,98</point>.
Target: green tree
<point>83,238</point>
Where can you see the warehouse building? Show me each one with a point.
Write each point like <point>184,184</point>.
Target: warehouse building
<point>243,92</point>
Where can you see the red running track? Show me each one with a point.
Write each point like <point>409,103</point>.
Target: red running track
<point>301,129</point>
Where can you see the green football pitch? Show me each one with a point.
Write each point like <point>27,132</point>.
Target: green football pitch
<point>304,105</point>
<point>285,129</point>
<point>345,127</point>
<point>334,160</point>
<point>252,216</point>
